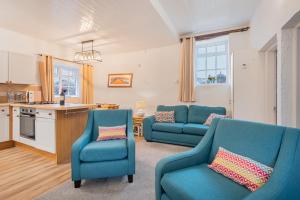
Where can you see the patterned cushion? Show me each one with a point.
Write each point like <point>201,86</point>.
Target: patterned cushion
<point>240,169</point>
<point>213,116</point>
<point>112,133</point>
<point>165,117</point>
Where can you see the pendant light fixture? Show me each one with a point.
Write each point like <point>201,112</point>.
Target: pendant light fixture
<point>87,56</point>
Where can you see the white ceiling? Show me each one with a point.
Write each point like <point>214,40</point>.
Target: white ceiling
<point>189,16</point>
<point>121,25</point>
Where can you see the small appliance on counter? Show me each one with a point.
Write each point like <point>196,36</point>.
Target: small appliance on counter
<point>33,97</point>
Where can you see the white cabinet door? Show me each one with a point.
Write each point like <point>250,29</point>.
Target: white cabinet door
<point>16,123</point>
<point>4,124</point>
<point>23,69</point>
<point>3,66</point>
<point>45,134</point>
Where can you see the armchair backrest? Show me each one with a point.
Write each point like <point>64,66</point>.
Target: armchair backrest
<point>257,141</point>
<point>111,118</point>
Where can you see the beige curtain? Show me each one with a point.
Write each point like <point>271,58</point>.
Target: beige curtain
<point>88,84</point>
<point>46,76</point>
<point>187,90</point>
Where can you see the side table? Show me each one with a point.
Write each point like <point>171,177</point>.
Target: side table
<point>138,125</point>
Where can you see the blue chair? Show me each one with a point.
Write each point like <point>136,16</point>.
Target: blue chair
<point>186,175</point>
<point>93,160</point>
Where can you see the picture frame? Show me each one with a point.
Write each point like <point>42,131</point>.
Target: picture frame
<point>121,80</point>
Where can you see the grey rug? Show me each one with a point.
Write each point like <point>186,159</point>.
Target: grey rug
<point>147,156</point>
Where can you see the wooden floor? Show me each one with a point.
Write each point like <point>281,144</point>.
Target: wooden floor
<point>26,175</point>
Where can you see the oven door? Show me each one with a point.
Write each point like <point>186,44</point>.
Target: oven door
<point>27,126</point>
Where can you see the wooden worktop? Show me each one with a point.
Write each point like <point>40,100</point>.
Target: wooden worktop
<point>67,106</point>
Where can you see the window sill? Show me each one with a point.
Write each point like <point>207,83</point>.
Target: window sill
<point>214,85</point>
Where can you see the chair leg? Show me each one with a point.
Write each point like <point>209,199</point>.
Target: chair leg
<point>130,178</point>
<point>77,184</point>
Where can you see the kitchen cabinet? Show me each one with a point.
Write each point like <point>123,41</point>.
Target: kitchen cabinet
<point>3,66</point>
<point>23,69</point>
<point>4,124</point>
<point>45,134</point>
<point>16,123</point>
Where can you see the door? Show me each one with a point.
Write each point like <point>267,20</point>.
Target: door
<point>3,66</point>
<point>4,124</point>
<point>45,134</point>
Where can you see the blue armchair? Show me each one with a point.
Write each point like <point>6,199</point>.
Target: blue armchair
<point>92,159</point>
<point>186,175</point>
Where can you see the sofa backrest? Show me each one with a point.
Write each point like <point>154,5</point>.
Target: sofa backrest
<point>181,112</point>
<point>199,114</point>
<point>260,142</point>
<point>110,118</point>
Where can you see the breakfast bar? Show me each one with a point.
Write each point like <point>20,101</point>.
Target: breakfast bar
<point>54,127</point>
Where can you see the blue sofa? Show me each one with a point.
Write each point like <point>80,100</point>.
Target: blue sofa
<point>93,160</point>
<point>186,175</point>
<point>188,128</point>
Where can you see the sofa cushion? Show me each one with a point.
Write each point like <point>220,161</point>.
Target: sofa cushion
<point>168,127</point>
<point>104,151</point>
<point>195,129</point>
<point>200,182</point>
<point>181,112</point>
<point>199,114</point>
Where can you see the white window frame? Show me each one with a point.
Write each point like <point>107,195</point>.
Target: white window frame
<point>69,67</point>
<point>209,43</point>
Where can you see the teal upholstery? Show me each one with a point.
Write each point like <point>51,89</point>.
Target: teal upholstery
<point>168,127</point>
<point>104,151</point>
<point>164,197</point>
<point>199,114</point>
<point>186,175</point>
<point>201,178</point>
<point>103,159</point>
<point>195,129</point>
<point>182,132</point>
<point>181,112</point>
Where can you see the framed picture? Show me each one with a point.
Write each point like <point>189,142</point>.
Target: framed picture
<point>120,80</point>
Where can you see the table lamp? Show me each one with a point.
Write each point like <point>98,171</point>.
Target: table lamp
<point>140,105</point>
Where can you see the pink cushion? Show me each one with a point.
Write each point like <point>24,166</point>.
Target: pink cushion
<point>112,133</point>
<point>213,116</point>
<point>240,169</point>
<point>168,117</point>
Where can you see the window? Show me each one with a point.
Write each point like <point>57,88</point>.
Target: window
<point>211,64</point>
<point>66,77</point>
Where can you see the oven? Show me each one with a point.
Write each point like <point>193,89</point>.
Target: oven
<point>27,123</point>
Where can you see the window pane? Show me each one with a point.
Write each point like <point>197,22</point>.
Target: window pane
<point>211,62</point>
<point>201,74</point>
<point>201,61</point>
<point>221,48</point>
<point>211,49</point>
<point>221,62</point>
<point>201,51</point>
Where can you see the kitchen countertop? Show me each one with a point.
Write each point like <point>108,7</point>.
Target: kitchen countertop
<point>67,106</point>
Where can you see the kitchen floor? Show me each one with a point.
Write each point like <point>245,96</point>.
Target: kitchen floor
<point>26,175</point>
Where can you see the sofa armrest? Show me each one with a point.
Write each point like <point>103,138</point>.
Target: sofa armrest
<point>278,187</point>
<point>131,145</point>
<point>78,145</point>
<point>147,127</point>
<point>196,156</point>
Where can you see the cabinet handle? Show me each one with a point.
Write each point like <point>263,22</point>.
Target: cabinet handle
<point>37,113</point>
<point>2,110</point>
<point>7,115</point>
<point>18,115</point>
<point>50,114</point>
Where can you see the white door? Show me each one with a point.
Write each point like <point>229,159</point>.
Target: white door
<point>16,123</point>
<point>4,124</point>
<point>45,134</point>
<point>3,66</point>
<point>23,69</point>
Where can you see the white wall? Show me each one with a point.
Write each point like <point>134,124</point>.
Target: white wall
<point>269,18</point>
<point>19,43</point>
<point>155,79</point>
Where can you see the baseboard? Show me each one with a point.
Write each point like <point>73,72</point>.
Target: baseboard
<point>7,144</point>
<point>35,150</point>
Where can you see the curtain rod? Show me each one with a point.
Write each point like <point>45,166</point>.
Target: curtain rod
<point>61,59</point>
<point>217,34</point>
